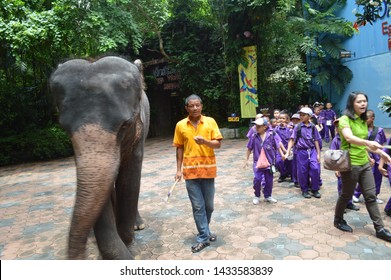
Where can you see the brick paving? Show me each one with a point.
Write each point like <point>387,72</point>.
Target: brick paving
<point>37,200</point>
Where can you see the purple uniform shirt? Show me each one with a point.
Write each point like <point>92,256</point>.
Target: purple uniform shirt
<point>329,115</point>
<point>336,143</point>
<point>251,131</point>
<point>309,134</point>
<point>381,139</point>
<point>388,165</point>
<point>284,133</point>
<point>270,145</point>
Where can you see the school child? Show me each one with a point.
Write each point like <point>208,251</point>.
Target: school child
<point>250,133</point>
<point>374,134</point>
<point>273,123</point>
<point>268,142</point>
<point>295,119</point>
<point>316,119</point>
<point>321,119</point>
<point>252,129</point>
<point>276,114</point>
<point>305,137</point>
<point>386,171</point>
<point>329,116</point>
<point>336,145</point>
<point>284,167</point>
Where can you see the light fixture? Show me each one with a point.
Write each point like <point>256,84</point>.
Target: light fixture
<point>346,54</point>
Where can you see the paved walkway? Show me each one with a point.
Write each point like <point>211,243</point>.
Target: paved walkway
<point>37,200</point>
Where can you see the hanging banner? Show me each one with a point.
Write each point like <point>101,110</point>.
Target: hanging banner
<point>248,83</point>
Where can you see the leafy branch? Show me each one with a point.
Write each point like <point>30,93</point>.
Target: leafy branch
<point>386,105</point>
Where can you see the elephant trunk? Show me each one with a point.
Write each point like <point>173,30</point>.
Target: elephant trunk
<point>97,163</point>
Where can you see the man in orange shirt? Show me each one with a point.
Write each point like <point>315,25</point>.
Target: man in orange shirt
<point>195,139</point>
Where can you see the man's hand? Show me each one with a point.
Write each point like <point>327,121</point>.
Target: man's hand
<point>178,176</point>
<point>199,140</point>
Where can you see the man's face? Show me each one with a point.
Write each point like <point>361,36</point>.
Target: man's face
<point>194,108</point>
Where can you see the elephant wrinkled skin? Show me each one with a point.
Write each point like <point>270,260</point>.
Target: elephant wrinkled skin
<point>105,110</point>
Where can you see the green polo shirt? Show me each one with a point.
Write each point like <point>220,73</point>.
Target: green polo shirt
<point>358,154</point>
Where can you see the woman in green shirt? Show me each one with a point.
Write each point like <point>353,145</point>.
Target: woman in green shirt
<point>354,132</point>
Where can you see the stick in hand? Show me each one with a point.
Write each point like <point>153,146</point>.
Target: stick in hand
<point>172,188</point>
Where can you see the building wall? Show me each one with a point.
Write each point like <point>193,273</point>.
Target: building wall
<point>370,63</point>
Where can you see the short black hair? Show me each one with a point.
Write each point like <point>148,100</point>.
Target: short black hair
<point>372,112</point>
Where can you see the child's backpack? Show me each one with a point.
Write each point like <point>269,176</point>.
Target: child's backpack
<point>373,133</point>
<point>298,132</point>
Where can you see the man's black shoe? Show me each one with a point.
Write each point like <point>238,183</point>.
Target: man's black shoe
<point>316,194</point>
<point>351,206</point>
<point>200,246</point>
<point>306,195</point>
<point>388,212</point>
<point>342,225</point>
<point>280,180</point>
<point>212,237</point>
<point>383,234</point>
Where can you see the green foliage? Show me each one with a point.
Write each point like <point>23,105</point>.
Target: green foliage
<point>40,144</point>
<point>385,106</point>
<point>36,35</point>
<point>202,39</point>
<point>327,32</point>
<point>194,48</point>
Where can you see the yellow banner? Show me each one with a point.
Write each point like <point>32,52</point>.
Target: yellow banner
<point>248,83</point>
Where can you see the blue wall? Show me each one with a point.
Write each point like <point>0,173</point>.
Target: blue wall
<point>371,64</point>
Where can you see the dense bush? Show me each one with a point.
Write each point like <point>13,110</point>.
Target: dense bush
<point>40,144</point>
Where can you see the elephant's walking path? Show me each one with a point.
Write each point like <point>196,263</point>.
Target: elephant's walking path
<point>37,200</point>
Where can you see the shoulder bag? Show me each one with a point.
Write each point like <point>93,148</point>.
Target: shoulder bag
<point>337,160</point>
<point>262,160</point>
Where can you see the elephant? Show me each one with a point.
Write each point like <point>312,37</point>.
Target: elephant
<point>103,107</point>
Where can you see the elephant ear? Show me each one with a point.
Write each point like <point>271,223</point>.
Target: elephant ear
<point>140,67</point>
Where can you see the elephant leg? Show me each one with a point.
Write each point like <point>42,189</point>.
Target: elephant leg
<point>109,242</point>
<point>139,225</point>
<point>127,189</point>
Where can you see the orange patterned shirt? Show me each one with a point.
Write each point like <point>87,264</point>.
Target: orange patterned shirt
<point>199,161</point>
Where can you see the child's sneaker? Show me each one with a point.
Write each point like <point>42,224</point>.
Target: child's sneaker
<point>379,201</point>
<point>271,199</point>
<point>355,199</point>
<point>255,200</point>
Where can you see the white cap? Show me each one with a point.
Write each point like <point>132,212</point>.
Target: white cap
<point>261,121</point>
<point>306,110</point>
<point>295,116</point>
